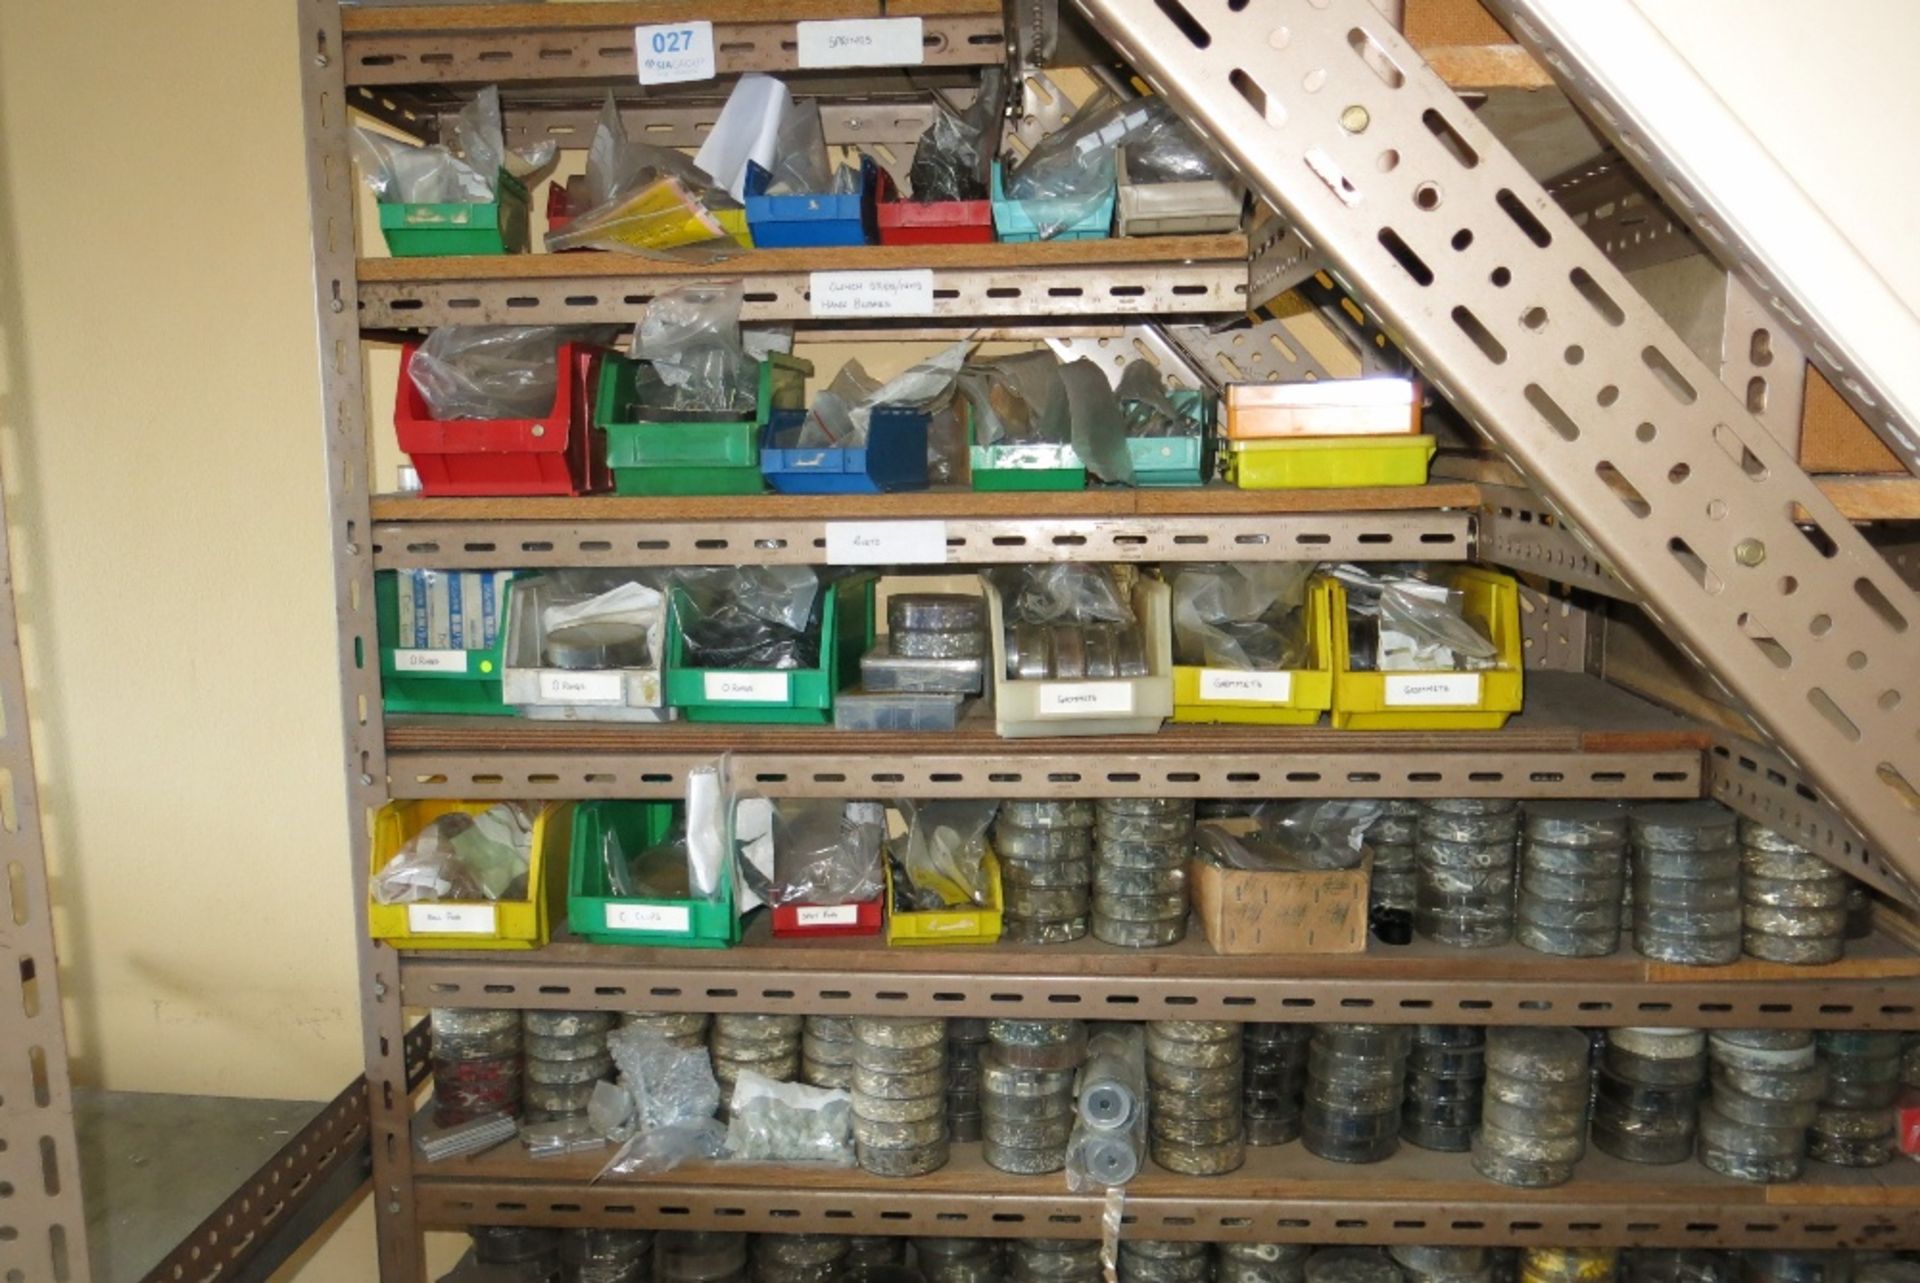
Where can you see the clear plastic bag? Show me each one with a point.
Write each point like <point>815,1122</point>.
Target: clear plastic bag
<point>1098,428</point>
<point>611,609</point>
<point>1146,406</point>
<point>778,1122</point>
<point>801,166</point>
<point>400,172</point>
<point>1018,400</point>
<point>1248,617</point>
<point>462,857</point>
<point>840,416</point>
<point>710,861</point>
<point>1324,833</point>
<point>1074,166</point>
<point>947,445</point>
<point>826,851</point>
<point>674,1097</point>
<point>1063,592</point>
<point>488,371</point>
<point>750,616</point>
<point>954,156</point>
<point>943,861</point>
<point>1166,149</point>
<point>1108,1142</point>
<point>691,337</point>
<point>1401,621</point>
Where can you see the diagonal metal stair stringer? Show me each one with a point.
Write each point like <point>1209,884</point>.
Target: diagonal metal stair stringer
<point>1508,310</point>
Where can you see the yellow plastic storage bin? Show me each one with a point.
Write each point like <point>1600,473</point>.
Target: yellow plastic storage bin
<point>473,924</point>
<point>948,926</point>
<point>1436,701</point>
<point>1287,697</point>
<point>1328,463</point>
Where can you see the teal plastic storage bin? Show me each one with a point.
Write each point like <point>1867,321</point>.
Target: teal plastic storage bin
<point>1022,220</point>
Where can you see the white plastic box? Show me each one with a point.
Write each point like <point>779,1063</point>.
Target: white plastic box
<point>577,695</point>
<point>1100,706</point>
<point>1162,209</point>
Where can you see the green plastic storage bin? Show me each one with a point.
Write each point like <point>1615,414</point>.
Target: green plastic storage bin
<point>438,681</point>
<point>776,695</point>
<point>693,455</point>
<point>595,914</point>
<point>438,231</point>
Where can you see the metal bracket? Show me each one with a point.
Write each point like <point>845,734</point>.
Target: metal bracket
<point>1556,632</point>
<point>1630,224</point>
<point>1510,313</point>
<point>1522,532</point>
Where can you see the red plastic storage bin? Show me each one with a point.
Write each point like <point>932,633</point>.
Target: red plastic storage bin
<point>558,454</point>
<point>939,222</point>
<point>861,918</point>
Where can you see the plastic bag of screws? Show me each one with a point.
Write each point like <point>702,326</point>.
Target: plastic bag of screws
<point>1260,1262</point>
<point>699,1256</point>
<point>899,1094</point>
<point>1164,1261</point>
<point>1533,1110</point>
<point>957,1260</point>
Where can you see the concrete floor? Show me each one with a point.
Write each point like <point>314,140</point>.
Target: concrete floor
<point>153,1166</point>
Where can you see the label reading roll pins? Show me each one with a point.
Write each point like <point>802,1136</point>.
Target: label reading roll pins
<point>1432,690</point>
<point>758,688</point>
<point>1227,684</point>
<point>650,917</point>
<point>1080,699</point>
<point>827,915</point>
<point>452,919</point>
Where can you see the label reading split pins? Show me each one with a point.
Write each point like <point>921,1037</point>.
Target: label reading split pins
<point>452,919</point>
<point>828,915</point>
<point>430,661</point>
<point>673,52</point>
<point>582,688</point>
<point>1079,699</point>
<point>759,688</point>
<point>1432,690</point>
<point>886,543</point>
<point>1232,684</point>
<point>902,293</point>
<point>861,42</point>
<point>649,917</point>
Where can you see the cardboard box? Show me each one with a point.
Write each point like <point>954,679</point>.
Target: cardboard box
<point>1308,911</point>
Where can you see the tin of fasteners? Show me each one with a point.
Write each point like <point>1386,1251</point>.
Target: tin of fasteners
<point>1798,951</point>
<point>1571,861</point>
<point>965,1128</point>
<point>1048,903</point>
<point>1054,843</point>
<point>1055,1108</point>
<point>935,612</point>
<point>1462,931</point>
<point>568,1024</point>
<point>1138,935</point>
<point>876,1134</point>
<point>1038,931</point>
<point>1683,826</point>
<point>1573,887</point>
<point>1117,854</point>
<point>917,1161</point>
<point>1754,1111</point>
<point>1126,827</point>
<point>900,1060</point>
<point>1047,873</point>
<point>1801,1085</point>
<point>1708,951</point>
<point>1273,1131</point>
<point>1659,1143</point>
<point>1195,1131</point>
<point>1198,1160</point>
<point>1468,830</point>
<point>824,1051</point>
<point>1182,1078</point>
<point>880,1085</point>
<point>899,1031</point>
<point>1127,883</point>
<point>1196,1055</point>
<point>1684,866</point>
<point>1028,1133</point>
<point>1718,1132</point>
<point>1531,1095</point>
<point>1441,1088</point>
<point>1796,893</point>
<point>1039,813</point>
<point>1025,1162</point>
<point>1190,1106</point>
<point>579,1047</point>
<point>589,1070</point>
<point>1527,1147</point>
<point>1004,1080</point>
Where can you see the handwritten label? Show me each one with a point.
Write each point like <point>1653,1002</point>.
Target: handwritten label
<point>828,915</point>
<point>650,917</point>
<point>886,543</point>
<point>908,292</point>
<point>1079,699</point>
<point>430,661</point>
<point>561,687</point>
<point>760,688</point>
<point>674,51</point>
<point>861,42</point>
<point>1230,684</point>
<point>452,919</point>
<point>1428,690</point>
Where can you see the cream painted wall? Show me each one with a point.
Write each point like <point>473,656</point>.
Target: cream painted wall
<point>162,463</point>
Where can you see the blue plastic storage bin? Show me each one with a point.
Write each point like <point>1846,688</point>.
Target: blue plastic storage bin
<point>894,458</point>
<point>1021,220</point>
<point>787,221</point>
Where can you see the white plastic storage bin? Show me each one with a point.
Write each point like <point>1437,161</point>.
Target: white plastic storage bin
<point>1102,706</point>
<point>577,695</point>
<point>1162,209</point>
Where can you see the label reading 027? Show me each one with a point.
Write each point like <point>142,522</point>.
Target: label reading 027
<point>673,52</point>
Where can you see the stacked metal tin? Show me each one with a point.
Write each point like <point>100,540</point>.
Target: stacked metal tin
<point>1465,858</point>
<point>566,1055</point>
<point>528,1251</point>
<point>957,1260</point>
<point>1766,1089</point>
<point>1164,1261</point>
<point>1054,1260</point>
<point>1396,876</point>
<point>1445,1070</point>
<point>900,1094</point>
<point>1195,1086</point>
<point>1351,1265</point>
<point>1260,1262</point>
<point>1796,1265</point>
<point>1046,868</point>
<point>918,676</point>
<point>1686,882</point>
<point>685,1029</point>
<point>1856,1125</point>
<point>1533,1111</point>
<point>1140,870</point>
<point>1422,1264</point>
<point>1568,1264</point>
<point>1026,1097</point>
<point>1647,1094</point>
<point>868,1254</point>
<point>1073,651</point>
<point>1793,904</point>
<point>1678,1265</point>
<point>1356,1086</point>
<point>1274,1080</point>
<point>606,1256</point>
<point>826,1051</point>
<point>966,1048</point>
<point>699,1256</point>
<point>1573,876</point>
<point>798,1258</point>
<point>476,1063</point>
<point>768,1045</point>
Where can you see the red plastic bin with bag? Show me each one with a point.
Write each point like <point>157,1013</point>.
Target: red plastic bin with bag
<point>560,453</point>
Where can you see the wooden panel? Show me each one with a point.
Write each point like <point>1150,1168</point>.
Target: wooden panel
<point>1835,439</point>
<point>1452,22</point>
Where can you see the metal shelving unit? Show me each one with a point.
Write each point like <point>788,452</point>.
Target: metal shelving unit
<point>1642,483</point>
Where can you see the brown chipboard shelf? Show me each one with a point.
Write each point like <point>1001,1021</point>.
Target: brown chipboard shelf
<point>1282,1194</point>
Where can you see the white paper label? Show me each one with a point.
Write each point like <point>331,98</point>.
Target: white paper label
<point>886,543</point>
<point>562,687</point>
<point>430,661</point>
<point>861,42</point>
<point>650,917</point>
<point>1077,699</point>
<point>1411,690</point>
<point>828,915</point>
<point>1230,684</point>
<point>452,919</point>
<point>674,51</point>
<point>761,688</point>
<point>908,292</point>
